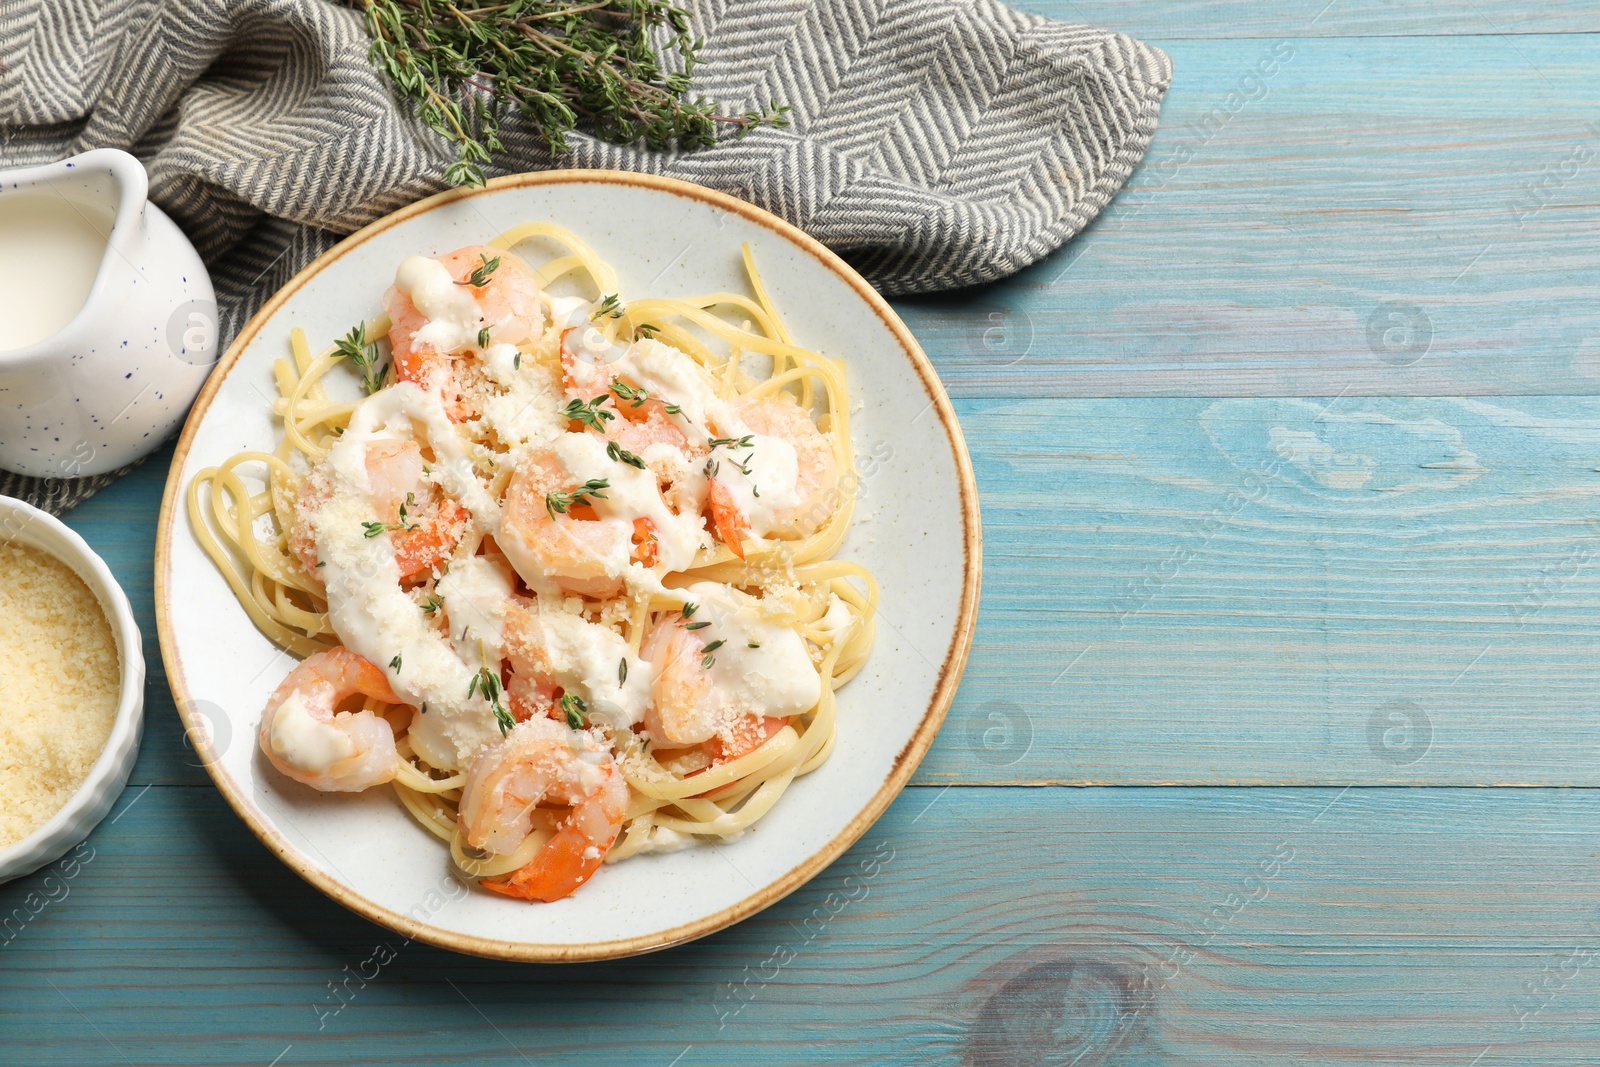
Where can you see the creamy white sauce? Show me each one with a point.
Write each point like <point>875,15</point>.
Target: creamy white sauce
<point>631,494</point>
<point>373,616</point>
<point>666,839</point>
<point>568,311</point>
<point>305,743</point>
<point>453,315</point>
<point>836,620</point>
<point>772,485</point>
<point>585,658</point>
<point>761,667</point>
<point>475,594</point>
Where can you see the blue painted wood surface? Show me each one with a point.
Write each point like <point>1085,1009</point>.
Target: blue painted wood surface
<point>1287,468</point>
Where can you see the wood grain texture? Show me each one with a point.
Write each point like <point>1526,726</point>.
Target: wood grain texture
<point>1372,216</point>
<point>1182,19</point>
<point>975,926</point>
<point>1283,590</point>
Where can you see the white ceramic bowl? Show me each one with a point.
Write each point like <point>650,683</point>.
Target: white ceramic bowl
<point>916,528</point>
<point>28,525</point>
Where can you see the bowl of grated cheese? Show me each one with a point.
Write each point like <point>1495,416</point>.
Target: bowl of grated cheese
<point>72,671</point>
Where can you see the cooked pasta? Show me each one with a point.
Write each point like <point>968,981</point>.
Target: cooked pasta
<point>560,567</point>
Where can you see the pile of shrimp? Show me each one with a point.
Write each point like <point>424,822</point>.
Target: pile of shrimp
<point>534,815</point>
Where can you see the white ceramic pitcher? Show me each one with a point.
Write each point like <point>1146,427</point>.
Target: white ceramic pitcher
<point>108,322</point>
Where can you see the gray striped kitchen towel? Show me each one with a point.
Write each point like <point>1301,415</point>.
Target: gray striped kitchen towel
<point>934,143</point>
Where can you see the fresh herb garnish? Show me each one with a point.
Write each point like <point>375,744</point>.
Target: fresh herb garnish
<point>622,455</point>
<point>432,604</point>
<point>559,503</point>
<point>483,337</point>
<point>638,394</point>
<point>503,719</point>
<point>411,501</point>
<point>575,708</point>
<point>322,563</point>
<point>355,347</point>
<point>467,64</point>
<point>593,414</point>
<point>747,441</point>
<point>394,665</point>
<point>712,466</point>
<point>714,645</point>
<point>752,644</point>
<point>622,671</point>
<point>646,330</point>
<point>610,307</point>
<point>689,609</point>
<point>516,361</point>
<point>625,391</point>
<point>701,625</point>
<point>373,529</point>
<point>480,274</point>
<point>488,683</point>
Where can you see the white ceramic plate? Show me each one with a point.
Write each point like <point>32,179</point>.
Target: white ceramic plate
<point>917,528</point>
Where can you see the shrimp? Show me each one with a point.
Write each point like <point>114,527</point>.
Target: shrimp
<point>304,736</point>
<point>572,547</point>
<point>578,553</point>
<point>814,493</point>
<point>507,306</point>
<point>684,707</point>
<point>667,452</point>
<point>424,526</point>
<point>542,763</point>
<point>725,516</point>
<point>528,683</point>
<point>551,654</point>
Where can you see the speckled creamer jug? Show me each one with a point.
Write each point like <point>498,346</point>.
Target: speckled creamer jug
<point>107,317</point>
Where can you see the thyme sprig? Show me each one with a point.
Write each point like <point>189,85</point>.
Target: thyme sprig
<point>593,414</point>
<point>464,64</point>
<point>622,455</point>
<point>487,682</point>
<point>355,347</point>
<point>574,708</point>
<point>638,394</point>
<point>559,503</point>
<point>480,274</point>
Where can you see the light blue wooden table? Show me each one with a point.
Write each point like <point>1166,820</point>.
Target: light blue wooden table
<point>1289,470</point>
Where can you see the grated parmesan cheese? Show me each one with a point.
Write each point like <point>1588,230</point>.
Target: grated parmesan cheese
<point>61,676</point>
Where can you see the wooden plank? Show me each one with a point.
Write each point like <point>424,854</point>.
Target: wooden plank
<point>1377,216</point>
<point>1182,19</point>
<point>1193,926</point>
<point>1371,590</point>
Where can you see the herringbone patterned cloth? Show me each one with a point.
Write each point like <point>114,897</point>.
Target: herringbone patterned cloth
<point>934,143</point>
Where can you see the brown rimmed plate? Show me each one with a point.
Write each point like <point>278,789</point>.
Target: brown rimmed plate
<point>917,528</point>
